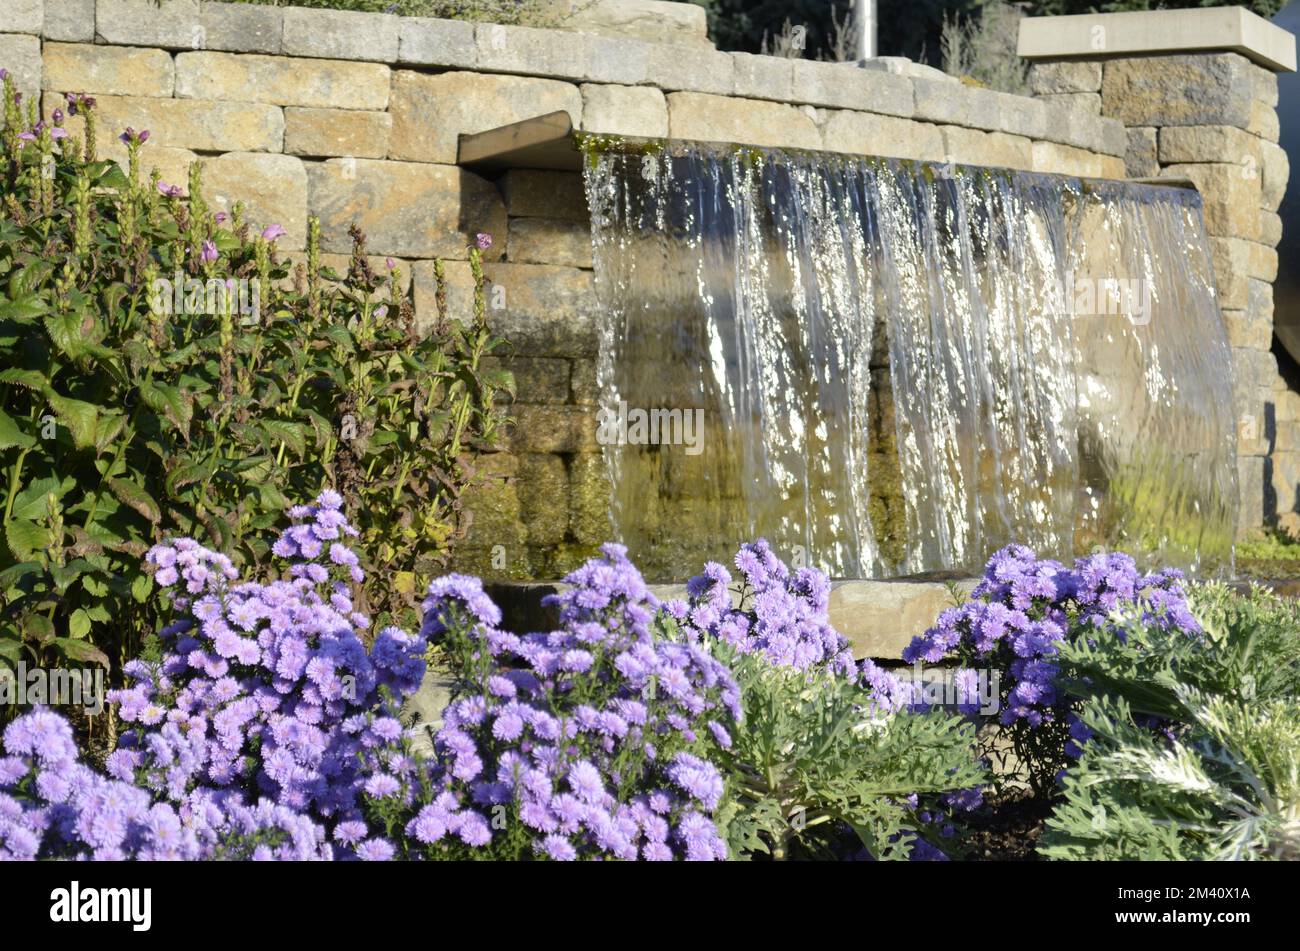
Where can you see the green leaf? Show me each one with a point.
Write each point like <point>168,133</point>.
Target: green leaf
<point>137,498</point>
<point>24,309</point>
<point>80,651</point>
<point>81,418</point>
<point>11,435</point>
<point>79,623</point>
<point>171,402</point>
<point>26,538</point>
<point>141,587</point>
<point>31,379</point>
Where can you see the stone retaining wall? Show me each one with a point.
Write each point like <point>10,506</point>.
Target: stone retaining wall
<point>1209,116</point>
<point>356,117</point>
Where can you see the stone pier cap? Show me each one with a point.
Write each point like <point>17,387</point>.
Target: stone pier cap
<point>1101,35</point>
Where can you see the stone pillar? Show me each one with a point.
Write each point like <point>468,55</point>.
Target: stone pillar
<point>1197,91</point>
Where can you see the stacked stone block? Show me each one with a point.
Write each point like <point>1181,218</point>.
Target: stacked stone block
<point>1210,118</point>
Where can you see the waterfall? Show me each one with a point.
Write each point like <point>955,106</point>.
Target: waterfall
<point>900,367</point>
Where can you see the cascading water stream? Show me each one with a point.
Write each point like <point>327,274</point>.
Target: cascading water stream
<point>899,368</point>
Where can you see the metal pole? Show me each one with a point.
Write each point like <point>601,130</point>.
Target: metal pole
<point>864,13</point>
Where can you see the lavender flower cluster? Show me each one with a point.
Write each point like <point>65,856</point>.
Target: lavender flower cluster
<point>590,741</point>
<point>785,616</point>
<point>263,700</point>
<point>51,806</point>
<point>1024,606</point>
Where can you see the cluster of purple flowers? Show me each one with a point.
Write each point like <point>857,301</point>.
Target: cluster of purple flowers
<point>784,615</point>
<point>590,741</point>
<point>51,806</point>
<point>264,699</point>
<point>1024,606</point>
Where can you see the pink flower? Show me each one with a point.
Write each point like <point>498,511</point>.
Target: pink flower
<point>209,252</point>
<point>483,240</point>
<point>221,217</point>
<point>130,135</point>
<point>169,191</point>
<point>272,232</point>
<point>392,265</point>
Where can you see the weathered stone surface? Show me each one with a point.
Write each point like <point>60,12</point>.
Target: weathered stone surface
<point>1252,367</point>
<point>543,496</point>
<point>1141,159</point>
<point>997,149</point>
<point>542,380</point>
<point>583,387</point>
<point>546,310</point>
<point>272,189</point>
<point>107,70</point>
<point>1112,166</point>
<point>241,28</point>
<point>1065,77</point>
<point>864,133</point>
<point>1263,262</point>
<point>21,55</point>
<point>538,193</point>
<point>624,110</point>
<point>550,241</point>
<point>69,21</point>
<point>494,503</point>
<point>1019,115</point>
<point>845,86</point>
<point>1083,101</point>
<point>169,24</point>
<point>529,51</point>
<point>553,429</point>
<point>336,132</point>
<point>967,106</point>
<point>880,618</point>
<point>1270,228</point>
<point>1209,143</point>
<point>1275,170</point>
<point>1114,138</point>
<point>1193,89</point>
<point>427,41</point>
<point>318,83</point>
<point>198,124</point>
<point>173,165</point>
<point>1074,126</point>
<point>425,707</point>
<point>340,34</point>
<point>677,23</point>
<point>430,112</point>
<point>589,494</point>
<point>406,209</point>
<point>1247,331</point>
<point>1067,160</point>
<point>1264,81</point>
<point>762,77</point>
<point>902,66</point>
<point>1250,488</point>
<point>22,16</point>
<point>691,70</point>
<point>1264,122</point>
<point>1230,198</point>
<point>708,118</point>
<point>611,60</point>
<point>1285,478</point>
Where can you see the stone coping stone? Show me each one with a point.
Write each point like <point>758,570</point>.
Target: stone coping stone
<point>879,618</point>
<point>1095,36</point>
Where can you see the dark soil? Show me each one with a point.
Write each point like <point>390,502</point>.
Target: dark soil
<point>1006,828</point>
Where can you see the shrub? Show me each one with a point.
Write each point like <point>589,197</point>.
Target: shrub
<point>1017,619</point>
<point>831,753</point>
<point>164,371</point>
<point>1193,740</point>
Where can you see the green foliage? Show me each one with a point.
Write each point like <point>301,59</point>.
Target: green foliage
<point>983,48</point>
<point>814,762</point>
<point>1195,752</point>
<point>164,373</point>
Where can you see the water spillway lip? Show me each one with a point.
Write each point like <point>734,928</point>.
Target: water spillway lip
<point>545,142</point>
